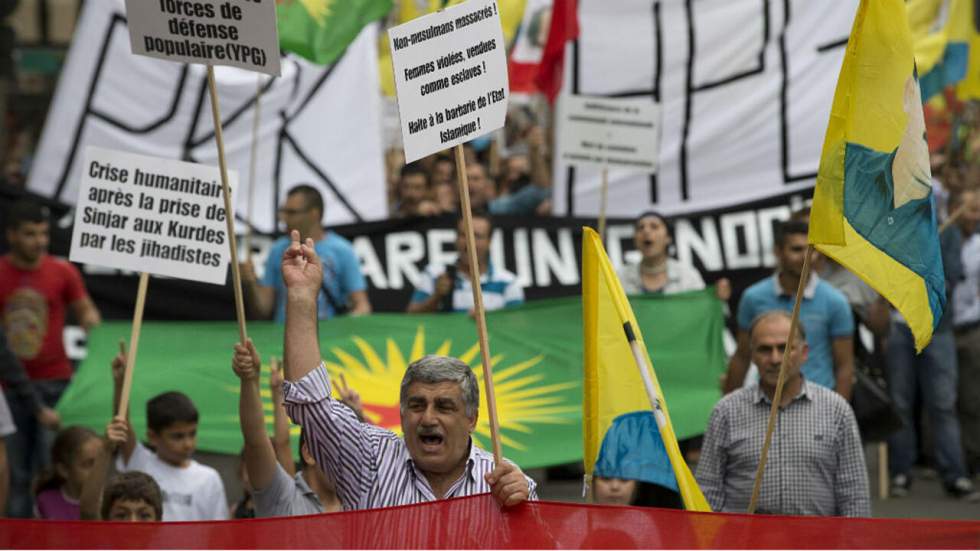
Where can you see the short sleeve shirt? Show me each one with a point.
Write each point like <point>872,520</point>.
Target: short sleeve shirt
<point>501,289</point>
<point>341,275</point>
<point>825,315</point>
<point>32,310</point>
<point>286,496</point>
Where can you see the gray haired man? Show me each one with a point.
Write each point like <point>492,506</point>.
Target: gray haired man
<point>374,467</point>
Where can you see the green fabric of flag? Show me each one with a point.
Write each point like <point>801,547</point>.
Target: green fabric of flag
<point>320,30</point>
<point>536,353</point>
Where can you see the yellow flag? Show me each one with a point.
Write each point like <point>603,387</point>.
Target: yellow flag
<point>873,208</point>
<point>614,396</point>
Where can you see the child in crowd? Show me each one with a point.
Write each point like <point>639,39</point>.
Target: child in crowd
<point>132,497</point>
<point>58,490</point>
<point>191,491</point>
<point>129,497</point>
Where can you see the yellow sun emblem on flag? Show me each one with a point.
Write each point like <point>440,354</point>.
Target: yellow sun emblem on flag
<point>319,10</point>
<point>521,401</point>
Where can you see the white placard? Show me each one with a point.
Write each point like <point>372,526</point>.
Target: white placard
<point>450,76</point>
<point>148,214</point>
<point>238,33</point>
<point>616,133</point>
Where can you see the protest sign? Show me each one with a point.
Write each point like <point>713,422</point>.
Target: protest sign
<point>450,77</point>
<point>151,215</point>
<point>614,133</point>
<point>238,33</point>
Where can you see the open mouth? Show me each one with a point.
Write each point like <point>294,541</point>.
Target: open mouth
<point>430,441</point>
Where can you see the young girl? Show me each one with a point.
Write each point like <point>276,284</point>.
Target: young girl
<point>73,456</point>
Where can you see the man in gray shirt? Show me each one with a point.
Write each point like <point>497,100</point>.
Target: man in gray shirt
<point>816,463</point>
<point>276,493</point>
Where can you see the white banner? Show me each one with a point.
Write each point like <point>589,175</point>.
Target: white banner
<point>148,214</point>
<point>450,76</point>
<point>745,89</point>
<point>320,125</point>
<point>236,33</point>
<point>614,133</point>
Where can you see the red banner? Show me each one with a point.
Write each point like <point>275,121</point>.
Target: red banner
<point>476,522</point>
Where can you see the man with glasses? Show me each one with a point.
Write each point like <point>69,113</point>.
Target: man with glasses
<point>343,291</point>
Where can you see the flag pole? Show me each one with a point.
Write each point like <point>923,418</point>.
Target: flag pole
<point>952,218</point>
<point>236,276</point>
<point>479,314</point>
<point>250,208</point>
<point>134,341</point>
<point>777,397</point>
<point>603,202</point>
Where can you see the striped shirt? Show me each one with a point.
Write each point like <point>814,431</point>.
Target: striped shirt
<point>500,288</point>
<point>815,464</point>
<point>371,465</point>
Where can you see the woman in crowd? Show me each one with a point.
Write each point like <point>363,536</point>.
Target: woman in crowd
<point>658,272</point>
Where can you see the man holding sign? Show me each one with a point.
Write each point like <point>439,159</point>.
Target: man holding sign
<point>374,467</point>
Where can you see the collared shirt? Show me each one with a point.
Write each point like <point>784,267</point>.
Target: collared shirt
<point>500,288</point>
<point>825,315</point>
<point>285,496</point>
<point>815,464</point>
<point>371,465</point>
<point>680,277</point>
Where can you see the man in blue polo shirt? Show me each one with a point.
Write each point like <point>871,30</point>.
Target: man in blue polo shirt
<point>344,290</point>
<point>448,288</point>
<point>824,313</point>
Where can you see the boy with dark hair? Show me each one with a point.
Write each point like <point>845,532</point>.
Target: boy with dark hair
<point>191,491</point>
<point>36,292</point>
<point>132,496</point>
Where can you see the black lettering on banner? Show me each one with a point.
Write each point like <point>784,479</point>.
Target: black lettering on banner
<point>657,58</point>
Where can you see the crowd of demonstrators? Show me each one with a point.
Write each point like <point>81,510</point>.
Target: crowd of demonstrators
<point>519,184</point>
<point>966,326</point>
<point>932,378</point>
<point>450,289</point>
<point>37,292</point>
<point>343,289</point>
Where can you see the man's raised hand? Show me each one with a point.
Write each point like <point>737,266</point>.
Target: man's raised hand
<point>301,269</point>
<point>245,362</point>
<point>508,484</point>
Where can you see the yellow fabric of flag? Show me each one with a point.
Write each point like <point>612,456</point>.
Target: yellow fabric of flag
<point>873,208</point>
<point>613,385</point>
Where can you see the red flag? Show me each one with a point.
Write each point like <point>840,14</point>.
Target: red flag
<point>479,523</point>
<point>564,27</point>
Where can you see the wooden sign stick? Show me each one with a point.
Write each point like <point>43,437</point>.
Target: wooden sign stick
<point>479,314</point>
<point>250,208</point>
<point>229,211</point>
<point>778,396</point>
<point>134,342</point>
